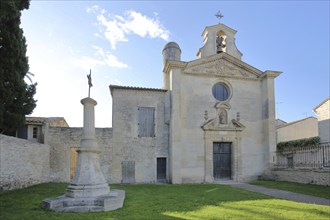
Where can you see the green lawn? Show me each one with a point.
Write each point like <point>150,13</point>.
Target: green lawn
<point>195,201</point>
<point>308,189</point>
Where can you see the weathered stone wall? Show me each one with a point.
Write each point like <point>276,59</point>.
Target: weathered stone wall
<point>62,140</point>
<point>127,145</point>
<point>22,163</point>
<point>305,128</point>
<point>191,150</point>
<point>312,176</point>
<point>323,117</point>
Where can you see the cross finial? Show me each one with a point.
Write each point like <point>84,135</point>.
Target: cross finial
<point>219,16</point>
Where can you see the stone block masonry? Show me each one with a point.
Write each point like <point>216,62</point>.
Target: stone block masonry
<point>62,140</point>
<point>306,176</point>
<point>88,190</point>
<point>22,163</point>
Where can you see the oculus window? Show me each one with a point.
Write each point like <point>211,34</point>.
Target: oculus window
<point>220,91</point>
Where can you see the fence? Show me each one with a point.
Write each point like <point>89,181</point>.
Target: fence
<point>315,156</point>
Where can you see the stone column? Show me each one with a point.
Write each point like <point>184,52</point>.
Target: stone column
<point>88,191</point>
<point>88,178</point>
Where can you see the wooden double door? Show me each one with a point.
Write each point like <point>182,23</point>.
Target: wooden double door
<point>222,160</point>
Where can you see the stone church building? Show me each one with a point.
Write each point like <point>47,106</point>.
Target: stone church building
<point>213,119</point>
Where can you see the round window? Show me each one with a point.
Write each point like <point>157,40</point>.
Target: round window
<point>220,91</point>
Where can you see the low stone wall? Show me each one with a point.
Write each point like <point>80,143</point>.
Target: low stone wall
<point>311,176</point>
<point>62,139</point>
<point>22,163</point>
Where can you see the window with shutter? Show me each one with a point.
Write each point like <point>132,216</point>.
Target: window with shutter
<point>146,122</point>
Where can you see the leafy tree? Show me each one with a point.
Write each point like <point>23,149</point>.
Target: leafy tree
<point>16,96</point>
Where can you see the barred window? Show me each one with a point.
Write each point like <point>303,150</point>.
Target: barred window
<point>146,122</point>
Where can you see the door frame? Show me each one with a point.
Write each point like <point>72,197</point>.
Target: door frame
<point>166,170</point>
<point>230,156</point>
<point>234,137</point>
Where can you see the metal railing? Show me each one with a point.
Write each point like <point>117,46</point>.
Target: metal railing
<point>315,156</point>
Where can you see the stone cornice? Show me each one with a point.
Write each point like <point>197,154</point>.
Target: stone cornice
<point>221,75</point>
<point>142,89</point>
<point>270,74</point>
<point>319,105</point>
<point>214,26</point>
<point>170,64</point>
<point>234,125</point>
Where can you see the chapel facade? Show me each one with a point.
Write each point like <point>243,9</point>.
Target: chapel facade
<point>213,119</point>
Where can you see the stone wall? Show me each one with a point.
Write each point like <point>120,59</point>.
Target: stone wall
<point>128,146</point>
<point>191,150</point>
<point>62,140</point>
<point>307,176</point>
<point>22,163</point>
<point>304,128</point>
<point>323,117</point>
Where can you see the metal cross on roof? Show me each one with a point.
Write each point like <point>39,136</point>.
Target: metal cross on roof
<point>219,16</point>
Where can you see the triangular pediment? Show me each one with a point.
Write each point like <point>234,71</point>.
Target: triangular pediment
<point>233,125</point>
<point>222,65</point>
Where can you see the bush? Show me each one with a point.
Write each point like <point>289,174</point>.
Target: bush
<point>298,143</point>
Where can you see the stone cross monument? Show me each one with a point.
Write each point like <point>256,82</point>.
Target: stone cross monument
<point>88,190</point>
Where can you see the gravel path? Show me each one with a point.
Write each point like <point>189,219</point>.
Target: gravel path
<point>278,193</point>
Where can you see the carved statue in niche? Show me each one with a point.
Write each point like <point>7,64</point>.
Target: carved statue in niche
<point>221,44</point>
<point>223,117</point>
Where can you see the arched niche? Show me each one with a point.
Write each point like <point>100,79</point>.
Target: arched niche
<point>221,41</point>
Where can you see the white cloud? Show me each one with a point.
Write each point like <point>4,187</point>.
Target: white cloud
<point>143,26</point>
<point>108,58</point>
<point>111,30</point>
<point>87,62</point>
<point>100,57</point>
<point>93,9</point>
<point>115,28</point>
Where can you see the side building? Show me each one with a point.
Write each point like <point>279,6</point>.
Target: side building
<point>323,116</point>
<point>140,135</point>
<point>300,129</point>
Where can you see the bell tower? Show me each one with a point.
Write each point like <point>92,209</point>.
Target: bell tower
<point>219,39</point>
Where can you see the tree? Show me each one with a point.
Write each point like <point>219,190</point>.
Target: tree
<point>16,96</point>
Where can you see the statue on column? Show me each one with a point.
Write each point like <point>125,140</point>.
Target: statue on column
<point>89,77</point>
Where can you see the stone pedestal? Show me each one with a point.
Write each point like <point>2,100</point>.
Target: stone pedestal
<point>88,190</point>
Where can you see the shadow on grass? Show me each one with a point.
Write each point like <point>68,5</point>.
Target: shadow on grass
<point>193,201</point>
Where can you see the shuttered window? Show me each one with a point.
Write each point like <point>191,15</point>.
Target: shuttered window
<point>146,122</point>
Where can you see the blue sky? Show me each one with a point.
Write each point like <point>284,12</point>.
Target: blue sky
<point>122,42</point>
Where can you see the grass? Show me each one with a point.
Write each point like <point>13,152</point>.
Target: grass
<point>308,189</point>
<point>194,201</point>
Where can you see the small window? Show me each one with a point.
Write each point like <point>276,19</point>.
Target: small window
<point>220,91</point>
<point>35,132</point>
<point>146,122</point>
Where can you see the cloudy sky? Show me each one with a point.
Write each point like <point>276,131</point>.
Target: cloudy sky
<point>122,42</point>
